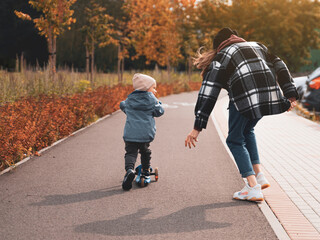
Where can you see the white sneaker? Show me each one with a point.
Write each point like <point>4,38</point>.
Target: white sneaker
<point>261,179</point>
<point>249,193</point>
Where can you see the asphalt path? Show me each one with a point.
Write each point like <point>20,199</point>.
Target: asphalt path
<point>73,190</point>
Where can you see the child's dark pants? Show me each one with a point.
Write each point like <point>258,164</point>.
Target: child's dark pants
<point>132,149</point>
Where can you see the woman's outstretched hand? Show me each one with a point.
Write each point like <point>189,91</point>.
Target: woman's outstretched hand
<point>293,104</point>
<point>192,138</point>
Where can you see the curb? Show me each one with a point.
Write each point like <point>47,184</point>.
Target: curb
<point>11,168</point>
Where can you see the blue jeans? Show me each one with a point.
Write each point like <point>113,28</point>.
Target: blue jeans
<point>241,141</point>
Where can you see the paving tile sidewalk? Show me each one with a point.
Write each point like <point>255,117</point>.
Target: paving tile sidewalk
<point>289,147</point>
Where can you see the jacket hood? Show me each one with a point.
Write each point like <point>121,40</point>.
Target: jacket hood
<point>141,100</point>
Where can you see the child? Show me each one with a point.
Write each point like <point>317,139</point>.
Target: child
<point>141,107</point>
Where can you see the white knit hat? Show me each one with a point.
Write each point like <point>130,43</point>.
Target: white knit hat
<point>142,82</point>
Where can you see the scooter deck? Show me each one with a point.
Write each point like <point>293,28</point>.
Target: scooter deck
<point>141,180</point>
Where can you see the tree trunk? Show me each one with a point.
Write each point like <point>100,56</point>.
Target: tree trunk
<point>21,63</point>
<point>168,68</point>
<point>119,64</point>
<point>87,58</point>
<point>54,57</point>
<point>17,68</point>
<point>189,68</point>
<point>122,68</point>
<point>92,62</point>
<point>50,62</point>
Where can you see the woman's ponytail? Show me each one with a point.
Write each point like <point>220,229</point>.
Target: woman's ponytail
<point>203,60</point>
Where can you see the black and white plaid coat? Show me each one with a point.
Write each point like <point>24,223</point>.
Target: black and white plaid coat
<point>252,77</point>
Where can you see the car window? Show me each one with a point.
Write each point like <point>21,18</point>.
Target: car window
<point>314,74</point>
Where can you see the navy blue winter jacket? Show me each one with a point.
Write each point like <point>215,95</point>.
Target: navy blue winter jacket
<point>140,107</point>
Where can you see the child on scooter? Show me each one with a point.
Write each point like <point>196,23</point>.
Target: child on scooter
<point>141,107</point>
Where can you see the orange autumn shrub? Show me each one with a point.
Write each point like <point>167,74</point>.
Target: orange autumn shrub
<point>194,86</point>
<point>33,123</point>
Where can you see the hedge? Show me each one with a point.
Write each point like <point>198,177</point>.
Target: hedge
<point>33,123</point>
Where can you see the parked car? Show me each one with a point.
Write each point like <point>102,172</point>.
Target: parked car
<point>301,85</point>
<point>303,82</point>
<point>311,99</point>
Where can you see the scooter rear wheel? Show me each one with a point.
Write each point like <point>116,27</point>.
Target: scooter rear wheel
<point>156,174</point>
<point>142,181</point>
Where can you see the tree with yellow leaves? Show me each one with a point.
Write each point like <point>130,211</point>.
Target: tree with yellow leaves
<point>55,17</point>
<point>289,28</point>
<point>185,10</point>
<point>119,36</point>
<point>292,29</point>
<point>98,29</point>
<point>153,31</point>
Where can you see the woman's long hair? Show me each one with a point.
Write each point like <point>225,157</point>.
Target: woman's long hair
<point>203,60</point>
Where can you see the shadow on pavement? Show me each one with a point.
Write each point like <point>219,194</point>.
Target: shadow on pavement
<point>61,199</point>
<point>189,219</point>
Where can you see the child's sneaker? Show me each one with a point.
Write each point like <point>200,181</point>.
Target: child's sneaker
<point>145,173</point>
<point>249,193</point>
<point>261,179</point>
<point>127,181</point>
